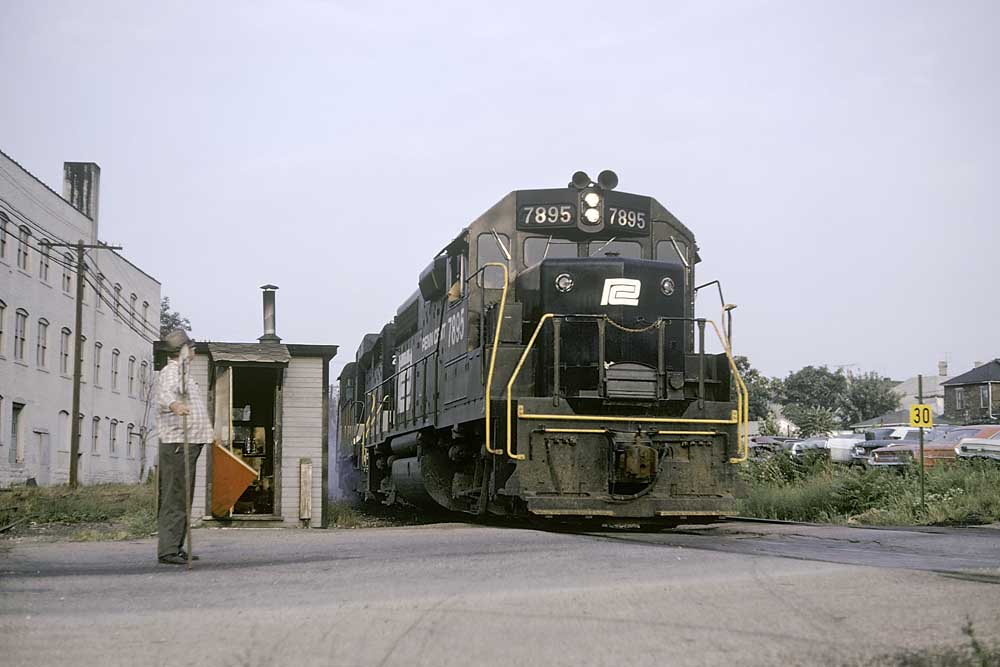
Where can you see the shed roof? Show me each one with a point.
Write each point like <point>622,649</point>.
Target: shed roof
<point>988,372</point>
<point>258,353</point>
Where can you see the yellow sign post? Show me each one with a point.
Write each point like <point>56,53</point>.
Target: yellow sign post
<point>921,416</point>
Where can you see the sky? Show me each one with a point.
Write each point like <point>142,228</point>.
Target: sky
<point>837,161</point>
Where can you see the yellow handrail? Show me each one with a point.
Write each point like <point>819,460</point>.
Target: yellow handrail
<point>493,353</point>
<point>517,370</point>
<point>740,415</point>
<point>742,403</point>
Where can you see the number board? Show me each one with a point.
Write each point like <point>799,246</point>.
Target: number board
<point>546,209</point>
<point>921,416</point>
<point>625,213</point>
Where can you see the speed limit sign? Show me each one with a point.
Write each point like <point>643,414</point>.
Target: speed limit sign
<point>920,416</point>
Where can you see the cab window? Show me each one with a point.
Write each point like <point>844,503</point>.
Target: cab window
<point>665,251</point>
<point>537,248</point>
<point>492,247</point>
<point>626,249</point>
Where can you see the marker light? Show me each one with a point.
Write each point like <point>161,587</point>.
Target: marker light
<point>564,282</point>
<point>667,286</point>
<point>592,199</point>
<point>592,215</point>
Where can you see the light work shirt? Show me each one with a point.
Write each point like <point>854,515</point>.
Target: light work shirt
<point>170,427</point>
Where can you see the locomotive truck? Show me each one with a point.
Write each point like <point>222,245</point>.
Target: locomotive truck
<point>550,364</point>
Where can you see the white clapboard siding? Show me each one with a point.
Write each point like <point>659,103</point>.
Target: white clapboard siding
<point>302,435</point>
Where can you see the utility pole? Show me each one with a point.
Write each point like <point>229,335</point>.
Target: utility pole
<point>74,438</point>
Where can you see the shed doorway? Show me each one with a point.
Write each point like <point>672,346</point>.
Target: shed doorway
<point>255,425</point>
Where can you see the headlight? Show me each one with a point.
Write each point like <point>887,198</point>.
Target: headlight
<point>667,286</point>
<point>564,282</point>
<point>592,215</point>
<point>592,199</point>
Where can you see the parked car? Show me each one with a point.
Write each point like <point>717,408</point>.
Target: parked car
<point>979,448</point>
<point>809,444</point>
<point>886,436</point>
<point>842,447</point>
<point>940,450</point>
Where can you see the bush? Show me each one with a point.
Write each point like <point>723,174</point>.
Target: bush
<point>962,493</point>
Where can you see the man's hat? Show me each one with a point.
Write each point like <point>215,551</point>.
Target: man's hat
<point>175,340</point>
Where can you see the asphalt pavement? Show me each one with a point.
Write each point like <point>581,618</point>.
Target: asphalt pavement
<point>459,594</point>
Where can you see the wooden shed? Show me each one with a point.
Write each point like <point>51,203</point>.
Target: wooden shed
<point>270,403</point>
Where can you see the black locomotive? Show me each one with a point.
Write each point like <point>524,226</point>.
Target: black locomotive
<point>550,364</point>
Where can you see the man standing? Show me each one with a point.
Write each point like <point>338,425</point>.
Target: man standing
<point>178,397</point>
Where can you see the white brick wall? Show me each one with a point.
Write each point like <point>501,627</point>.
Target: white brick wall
<point>43,389</point>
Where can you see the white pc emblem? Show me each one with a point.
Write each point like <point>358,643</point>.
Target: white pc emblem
<point>621,292</point>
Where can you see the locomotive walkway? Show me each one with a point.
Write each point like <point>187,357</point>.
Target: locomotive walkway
<point>458,594</point>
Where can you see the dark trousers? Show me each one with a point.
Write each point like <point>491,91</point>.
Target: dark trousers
<point>172,518</point>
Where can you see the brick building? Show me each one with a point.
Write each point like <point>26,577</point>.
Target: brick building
<point>37,320</point>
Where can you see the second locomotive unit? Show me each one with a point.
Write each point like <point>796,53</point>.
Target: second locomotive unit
<point>551,364</point>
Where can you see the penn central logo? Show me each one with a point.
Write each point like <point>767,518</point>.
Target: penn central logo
<point>621,292</point>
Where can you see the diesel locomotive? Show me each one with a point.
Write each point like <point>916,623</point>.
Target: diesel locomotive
<point>550,364</point>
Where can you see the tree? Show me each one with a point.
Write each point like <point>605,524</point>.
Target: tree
<point>867,396</point>
<point>170,320</point>
<point>770,425</point>
<point>762,389</point>
<point>815,421</point>
<point>814,387</point>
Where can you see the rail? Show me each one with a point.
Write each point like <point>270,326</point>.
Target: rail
<point>739,416</point>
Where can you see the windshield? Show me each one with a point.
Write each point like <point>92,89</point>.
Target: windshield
<point>627,249</point>
<point>537,248</point>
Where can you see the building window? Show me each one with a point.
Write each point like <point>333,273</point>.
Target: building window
<point>959,398</point>
<point>42,346</point>
<point>114,369</point>
<point>83,359</point>
<point>64,344</point>
<point>128,440</point>
<point>95,434</point>
<point>22,248</point>
<point>131,376</point>
<point>98,291</point>
<point>16,442</point>
<point>3,319</point>
<point>118,298</point>
<point>64,430</point>
<point>43,262</point>
<point>20,329</point>
<point>98,348</point>
<point>984,396</point>
<point>131,306</point>
<point>3,234</point>
<point>143,379</point>
<point>113,438</point>
<point>67,277</point>
<point>145,312</point>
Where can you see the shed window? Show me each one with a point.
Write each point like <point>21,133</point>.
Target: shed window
<point>492,247</point>
<point>984,396</point>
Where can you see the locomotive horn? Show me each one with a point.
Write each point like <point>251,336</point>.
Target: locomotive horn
<point>580,180</point>
<point>607,179</point>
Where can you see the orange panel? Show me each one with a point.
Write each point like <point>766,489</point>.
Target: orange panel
<point>230,478</point>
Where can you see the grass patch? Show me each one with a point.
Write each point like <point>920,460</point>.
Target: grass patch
<point>814,489</point>
<point>348,514</point>
<point>974,653</point>
<point>101,511</point>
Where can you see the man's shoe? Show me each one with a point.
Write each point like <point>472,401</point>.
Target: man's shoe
<point>183,554</point>
<point>173,559</point>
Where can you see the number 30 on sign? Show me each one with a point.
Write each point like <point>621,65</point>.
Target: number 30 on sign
<point>920,416</point>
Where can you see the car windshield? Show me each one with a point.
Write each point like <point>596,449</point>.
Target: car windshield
<point>881,433</point>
